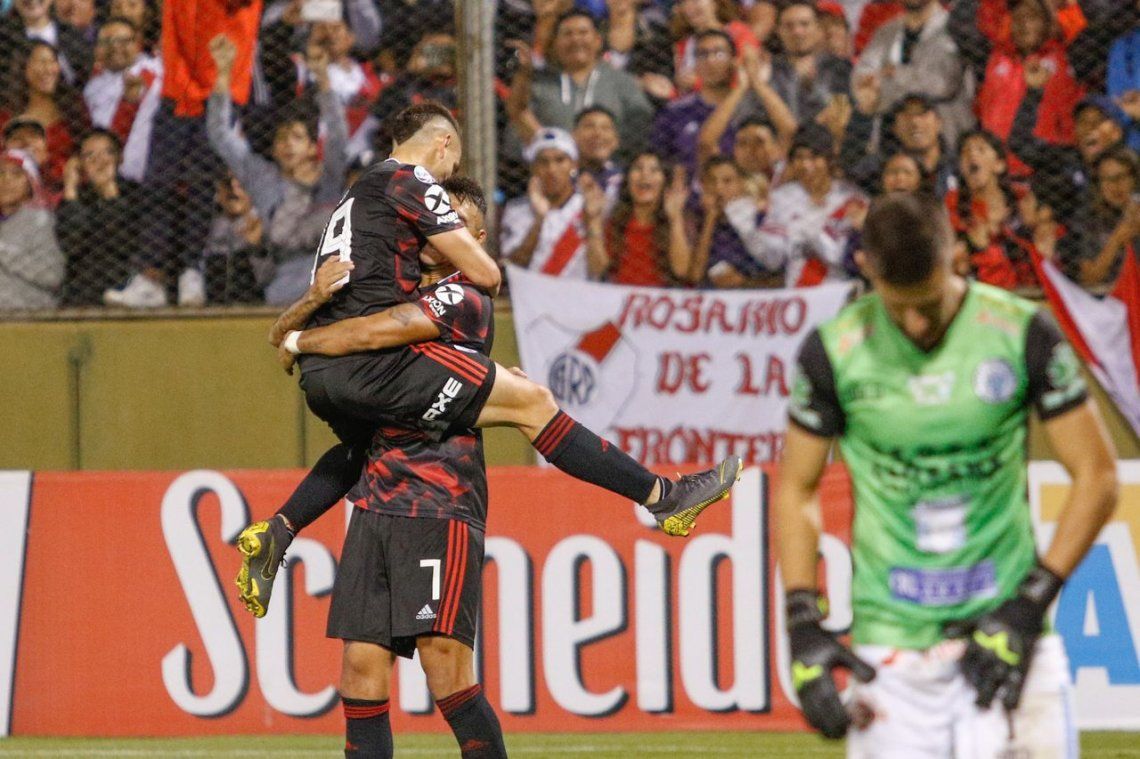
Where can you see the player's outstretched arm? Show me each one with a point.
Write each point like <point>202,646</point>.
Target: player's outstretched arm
<point>463,250</point>
<point>331,276</point>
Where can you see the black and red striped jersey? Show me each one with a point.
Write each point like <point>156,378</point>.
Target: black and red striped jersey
<point>463,312</point>
<point>409,474</point>
<point>381,225</point>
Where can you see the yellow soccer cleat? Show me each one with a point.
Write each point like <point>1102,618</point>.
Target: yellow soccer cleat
<point>262,546</point>
<point>693,493</point>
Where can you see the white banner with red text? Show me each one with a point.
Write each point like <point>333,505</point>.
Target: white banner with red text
<point>671,376</point>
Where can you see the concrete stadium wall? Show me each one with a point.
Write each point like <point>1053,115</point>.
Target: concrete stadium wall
<point>168,393</point>
<point>196,392</point>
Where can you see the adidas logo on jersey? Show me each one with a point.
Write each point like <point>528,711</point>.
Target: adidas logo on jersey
<point>426,613</point>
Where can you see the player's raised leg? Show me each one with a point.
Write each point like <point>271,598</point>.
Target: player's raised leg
<point>263,544</point>
<point>516,401</point>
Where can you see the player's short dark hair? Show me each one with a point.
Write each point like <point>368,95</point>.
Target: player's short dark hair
<point>719,34</point>
<point>114,139</point>
<point>905,235</point>
<point>408,122</point>
<point>125,22</point>
<point>460,188</point>
<point>591,109</point>
<point>574,13</point>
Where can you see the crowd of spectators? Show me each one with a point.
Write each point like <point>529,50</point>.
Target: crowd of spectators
<point>158,153</point>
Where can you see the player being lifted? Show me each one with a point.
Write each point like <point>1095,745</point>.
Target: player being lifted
<point>928,384</point>
<point>410,575</point>
<point>378,231</point>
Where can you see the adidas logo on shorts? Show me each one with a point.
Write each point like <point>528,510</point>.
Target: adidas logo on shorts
<point>426,613</point>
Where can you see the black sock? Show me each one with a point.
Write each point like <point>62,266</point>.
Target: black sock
<point>367,731</point>
<point>474,723</point>
<point>325,484</point>
<point>582,454</point>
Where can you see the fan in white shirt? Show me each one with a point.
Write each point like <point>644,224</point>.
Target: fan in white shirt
<point>543,230</point>
<point>811,222</point>
<point>124,92</point>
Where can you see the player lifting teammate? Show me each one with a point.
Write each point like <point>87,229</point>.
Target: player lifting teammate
<point>928,383</point>
<point>392,211</point>
<point>410,575</point>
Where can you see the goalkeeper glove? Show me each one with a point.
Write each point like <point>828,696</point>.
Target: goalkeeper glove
<point>1001,642</point>
<point>815,652</point>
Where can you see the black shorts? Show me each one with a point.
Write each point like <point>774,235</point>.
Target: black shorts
<point>430,387</point>
<point>402,577</point>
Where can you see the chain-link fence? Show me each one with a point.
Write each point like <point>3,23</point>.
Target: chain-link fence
<point>190,153</point>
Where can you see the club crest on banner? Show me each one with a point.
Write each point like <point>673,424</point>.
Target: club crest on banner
<point>594,373</point>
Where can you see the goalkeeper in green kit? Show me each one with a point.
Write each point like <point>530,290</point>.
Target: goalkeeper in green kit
<point>928,384</point>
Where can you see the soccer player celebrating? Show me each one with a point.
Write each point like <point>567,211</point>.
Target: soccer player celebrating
<point>410,576</point>
<point>928,384</point>
<point>434,386</point>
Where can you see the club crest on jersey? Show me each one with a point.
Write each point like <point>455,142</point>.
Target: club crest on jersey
<point>423,175</point>
<point>931,389</point>
<point>995,381</point>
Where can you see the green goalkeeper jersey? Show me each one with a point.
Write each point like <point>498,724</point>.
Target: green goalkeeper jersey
<point>935,442</point>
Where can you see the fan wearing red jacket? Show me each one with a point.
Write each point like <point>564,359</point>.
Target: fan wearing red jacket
<point>1027,40</point>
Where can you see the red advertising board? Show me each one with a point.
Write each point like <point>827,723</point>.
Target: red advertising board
<point>126,621</point>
